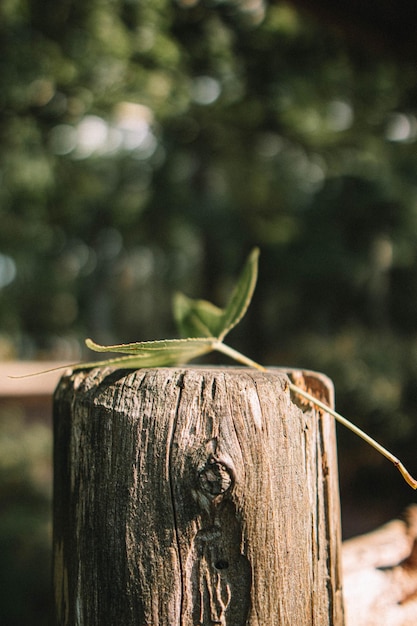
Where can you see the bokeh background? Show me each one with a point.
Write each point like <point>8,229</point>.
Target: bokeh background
<point>146,147</point>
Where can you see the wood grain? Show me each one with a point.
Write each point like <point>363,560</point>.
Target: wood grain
<point>194,497</point>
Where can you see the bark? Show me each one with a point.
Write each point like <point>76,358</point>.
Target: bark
<point>195,496</point>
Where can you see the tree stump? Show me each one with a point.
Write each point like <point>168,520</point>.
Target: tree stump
<point>195,496</point>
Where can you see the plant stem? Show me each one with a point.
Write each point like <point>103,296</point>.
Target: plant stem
<point>237,356</point>
<point>342,420</point>
<point>241,358</point>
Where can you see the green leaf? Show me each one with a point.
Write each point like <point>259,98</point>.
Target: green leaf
<point>242,294</point>
<point>153,353</point>
<point>143,354</point>
<point>197,318</point>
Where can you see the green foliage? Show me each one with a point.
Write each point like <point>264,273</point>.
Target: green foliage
<point>203,324</point>
<point>197,318</point>
<point>239,147</point>
<point>147,146</point>
<point>202,317</point>
<point>25,530</point>
<point>152,353</point>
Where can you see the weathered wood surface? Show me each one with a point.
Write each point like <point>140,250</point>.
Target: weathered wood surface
<point>195,496</point>
<point>380,575</point>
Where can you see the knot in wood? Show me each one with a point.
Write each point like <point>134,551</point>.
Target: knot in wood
<point>215,478</point>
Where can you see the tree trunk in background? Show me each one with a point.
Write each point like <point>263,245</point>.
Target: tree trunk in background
<point>195,496</point>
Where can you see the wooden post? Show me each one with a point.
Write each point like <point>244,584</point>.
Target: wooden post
<point>193,497</point>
